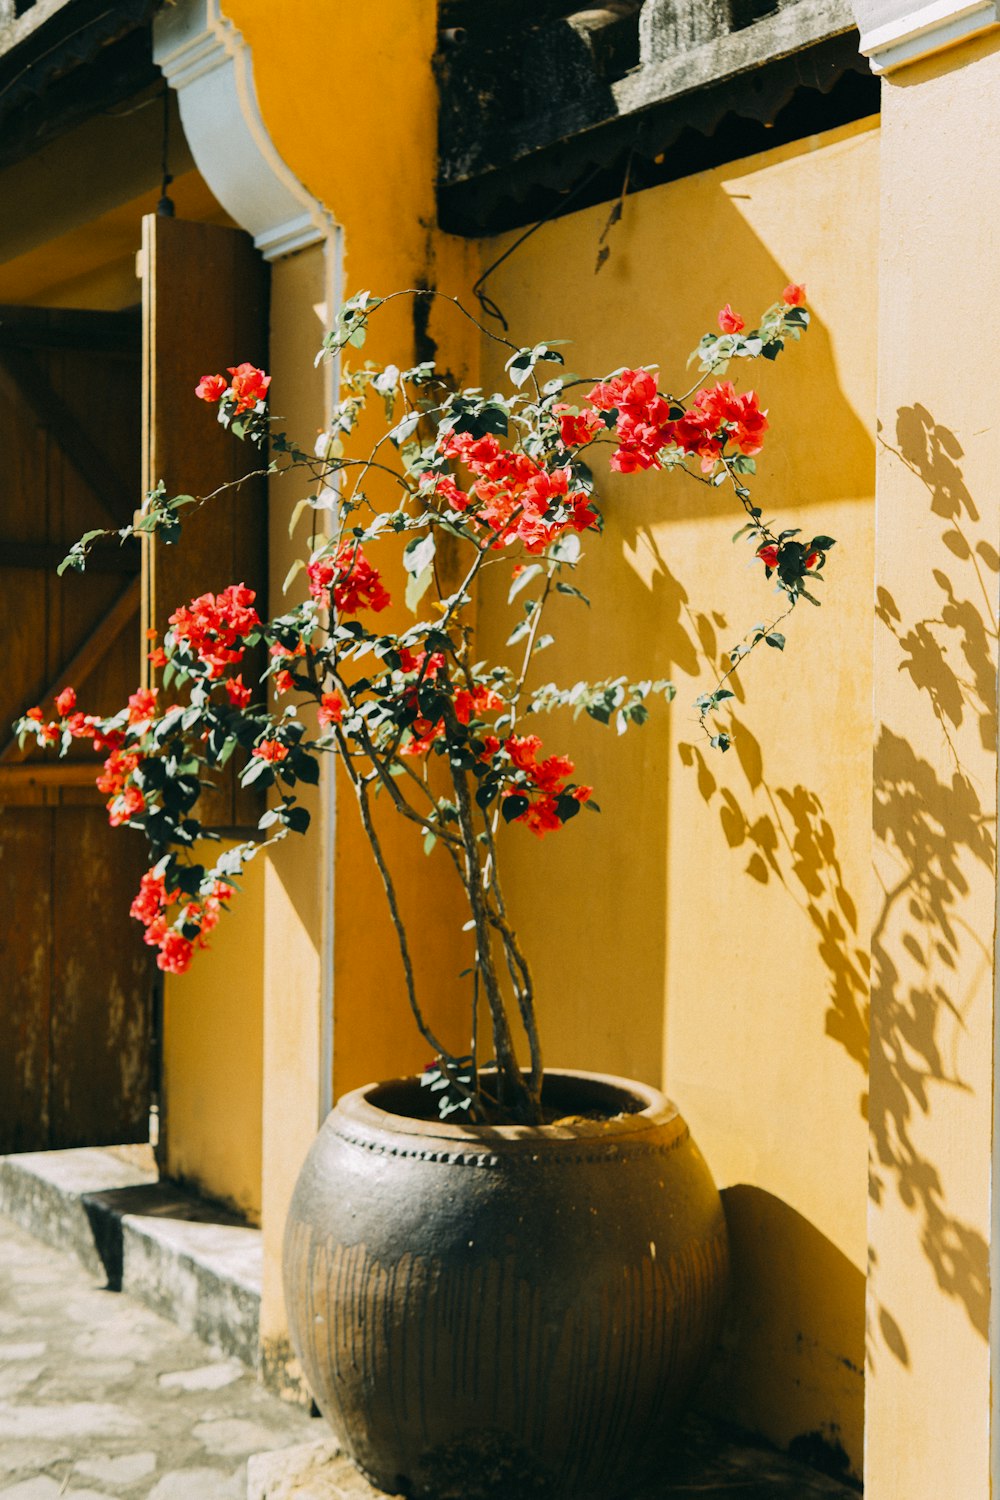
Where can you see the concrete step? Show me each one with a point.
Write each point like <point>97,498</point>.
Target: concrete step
<point>189,1260</point>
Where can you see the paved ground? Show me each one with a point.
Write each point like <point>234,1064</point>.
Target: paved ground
<point>101,1399</point>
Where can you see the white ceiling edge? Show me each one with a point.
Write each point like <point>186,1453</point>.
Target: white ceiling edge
<point>205,59</point>
<point>928,29</point>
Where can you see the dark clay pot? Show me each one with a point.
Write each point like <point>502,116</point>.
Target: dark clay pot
<point>505,1312</point>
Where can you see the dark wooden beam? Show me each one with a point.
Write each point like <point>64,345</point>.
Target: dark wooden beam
<point>45,557</point>
<point>71,328</point>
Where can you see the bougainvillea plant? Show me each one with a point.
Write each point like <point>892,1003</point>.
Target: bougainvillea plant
<point>399,693</point>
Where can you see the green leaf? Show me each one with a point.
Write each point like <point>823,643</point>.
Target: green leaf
<point>567,588</point>
<point>776,639</point>
<point>418,555</point>
<point>417,586</point>
<point>293,573</point>
<point>523,579</point>
<point>513,806</point>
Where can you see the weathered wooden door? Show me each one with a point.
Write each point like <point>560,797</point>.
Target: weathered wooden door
<point>94,407</point>
<point>75,979</point>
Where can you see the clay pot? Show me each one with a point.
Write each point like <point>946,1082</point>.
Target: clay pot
<point>505,1311</point>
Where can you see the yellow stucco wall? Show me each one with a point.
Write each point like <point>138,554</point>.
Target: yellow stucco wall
<point>933,950</point>
<point>710,930</point>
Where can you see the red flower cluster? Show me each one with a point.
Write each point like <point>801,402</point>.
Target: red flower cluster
<point>125,800</point>
<point>141,705</point>
<point>575,430</point>
<point>513,497</point>
<point>717,417</point>
<point>331,709</point>
<point>729,321</point>
<point>150,908</point>
<point>546,782</point>
<point>237,692</point>
<point>248,388</point>
<point>469,703</point>
<point>355,584</point>
<point>283,679</point>
<point>214,626</point>
<point>643,427</point>
<point>272,750</point>
<point>794,294</point>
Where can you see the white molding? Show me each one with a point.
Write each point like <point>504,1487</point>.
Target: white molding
<point>205,59</point>
<point>922,32</point>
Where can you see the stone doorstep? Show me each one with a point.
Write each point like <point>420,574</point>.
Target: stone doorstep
<point>188,1260</point>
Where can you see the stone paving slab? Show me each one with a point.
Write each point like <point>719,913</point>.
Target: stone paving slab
<point>103,1399</point>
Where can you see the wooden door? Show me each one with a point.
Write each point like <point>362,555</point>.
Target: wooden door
<point>205,309</point>
<point>75,978</point>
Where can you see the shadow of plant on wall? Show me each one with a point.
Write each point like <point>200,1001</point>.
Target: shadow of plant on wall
<point>931,830</point>
<point>926,961</point>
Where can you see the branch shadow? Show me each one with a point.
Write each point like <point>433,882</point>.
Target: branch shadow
<point>927,827</point>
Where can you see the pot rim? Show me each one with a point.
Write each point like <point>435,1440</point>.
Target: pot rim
<point>357,1108</point>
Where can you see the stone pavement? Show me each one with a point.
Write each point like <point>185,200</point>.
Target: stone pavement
<point>102,1399</point>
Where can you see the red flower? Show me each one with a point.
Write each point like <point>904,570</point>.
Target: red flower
<point>810,559</point>
<point>213,626</point>
<point>768,555</point>
<point>66,702</point>
<point>575,430</point>
<point>211,388</point>
<point>237,692</point>
<point>157,657</point>
<point>719,416</point>
<point>794,294</point>
<point>142,705</point>
<point>482,700</point>
<point>729,321</point>
<point>176,952</point>
<point>331,709</point>
<point>36,714</point>
<point>423,734</point>
<point>272,750</point>
<point>249,386</point>
<point>129,805</point>
<point>354,582</point>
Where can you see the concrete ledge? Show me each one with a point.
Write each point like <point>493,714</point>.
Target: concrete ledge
<point>188,1260</point>
<point>47,1193</point>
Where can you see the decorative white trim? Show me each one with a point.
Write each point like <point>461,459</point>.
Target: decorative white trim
<point>205,59</point>
<point>924,31</point>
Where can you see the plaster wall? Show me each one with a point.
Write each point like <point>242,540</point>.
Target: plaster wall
<point>933,992</point>
<point>709,931</point>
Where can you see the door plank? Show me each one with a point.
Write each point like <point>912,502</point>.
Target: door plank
<point>84,660</point>
<point>221,283</point>
<point>23,377</point>
<point>100,1027</point>
<point>26,849</point>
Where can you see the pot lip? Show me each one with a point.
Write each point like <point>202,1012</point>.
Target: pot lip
<point>356,1109</point>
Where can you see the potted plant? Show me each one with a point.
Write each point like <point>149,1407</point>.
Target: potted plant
<point>499,1281</point>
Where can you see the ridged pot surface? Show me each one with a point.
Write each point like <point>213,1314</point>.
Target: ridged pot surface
<point>498,1313</point>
